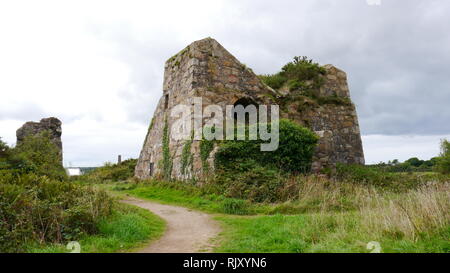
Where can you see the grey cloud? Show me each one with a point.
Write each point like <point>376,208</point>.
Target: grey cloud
<point>22,112</point>
<point>28,111</point>
<point>146,60</point>
<point>396,55</point>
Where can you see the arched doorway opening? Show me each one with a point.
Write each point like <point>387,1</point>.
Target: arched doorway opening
<point>241,109</point>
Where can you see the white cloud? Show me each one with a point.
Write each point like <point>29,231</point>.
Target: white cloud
<point>379,148</point>
<point>96,142</point>
<point>8,129</point>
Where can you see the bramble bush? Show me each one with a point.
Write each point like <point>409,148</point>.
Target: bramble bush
<point>294,154</point>
<point>4,155</point>
<point>249,180</point>
<point>3,149</point>
<point>244,171</point>
<point>35,208</point>
<point>36,154</point>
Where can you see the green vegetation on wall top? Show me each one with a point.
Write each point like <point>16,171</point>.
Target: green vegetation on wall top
<point>303,78</point>
<point>302,73</point>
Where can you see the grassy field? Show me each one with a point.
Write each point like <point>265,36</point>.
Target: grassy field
<point>343,218</point>
<point>128,228</point>
<point>188,196</point>
<point>318,233</point>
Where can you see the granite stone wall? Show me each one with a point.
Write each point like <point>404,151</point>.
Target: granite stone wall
<point>205,69</point>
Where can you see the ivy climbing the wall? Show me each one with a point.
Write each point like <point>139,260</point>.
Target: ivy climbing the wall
<point>186,157</point>
<point>167,161</point>
<point>206,147</point>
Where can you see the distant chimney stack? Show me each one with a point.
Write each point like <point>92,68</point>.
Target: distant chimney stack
<point>119,159</point>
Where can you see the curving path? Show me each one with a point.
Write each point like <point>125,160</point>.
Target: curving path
<point>187,231</point>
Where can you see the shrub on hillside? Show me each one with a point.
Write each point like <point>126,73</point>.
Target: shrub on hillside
<point>35,208</point>
<point>383,179</point>
<point>364,175</point>
<point>3,149</point>
<point>250,181</point>
<point>36,154</point>
<point>4,155</point>
<point>112,172</point>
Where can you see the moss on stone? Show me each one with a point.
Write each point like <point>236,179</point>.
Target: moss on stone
<point>222,90</point>
<point>212,67</point>
<point>334,100</point>
<point>181,53</point>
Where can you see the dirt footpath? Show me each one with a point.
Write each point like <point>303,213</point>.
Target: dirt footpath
<point>187,231</point>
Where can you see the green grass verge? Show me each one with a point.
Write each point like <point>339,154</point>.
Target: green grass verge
<point>128,228</point>
<point>174,196</point>
<point>189,197</point>
<point>305,232</point>
<point>316,233</point>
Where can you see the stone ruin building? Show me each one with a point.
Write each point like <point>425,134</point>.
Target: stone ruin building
<point>51,125</point>
<point>206,69</point>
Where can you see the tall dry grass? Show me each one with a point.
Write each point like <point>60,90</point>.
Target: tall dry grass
<point>318,193</point>
<point>410,214</point>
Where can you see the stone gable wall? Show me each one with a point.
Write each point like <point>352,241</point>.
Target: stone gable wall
<point>206,69</point>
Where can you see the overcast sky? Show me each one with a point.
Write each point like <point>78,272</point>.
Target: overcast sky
<point>98,65</point>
